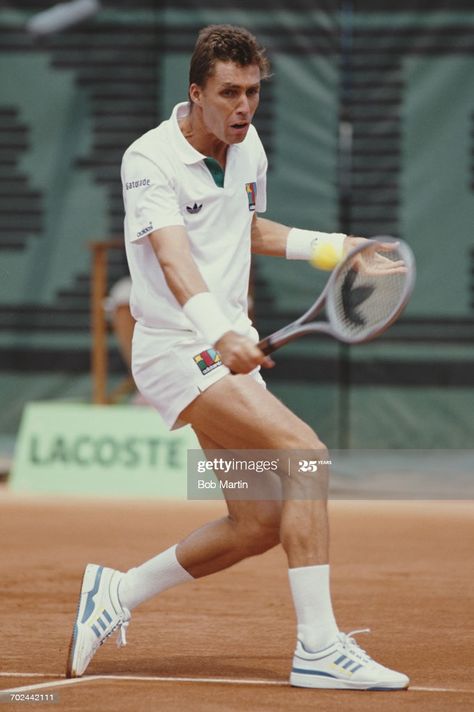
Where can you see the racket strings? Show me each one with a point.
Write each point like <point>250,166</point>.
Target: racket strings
<point>369,291</point>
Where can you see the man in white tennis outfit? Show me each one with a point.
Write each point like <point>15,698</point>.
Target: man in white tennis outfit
<point>193,188</point>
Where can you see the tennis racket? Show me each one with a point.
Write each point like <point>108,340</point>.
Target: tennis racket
<point>365,293</point>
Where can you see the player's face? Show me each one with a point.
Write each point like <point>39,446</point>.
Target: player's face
<point>228,100</point>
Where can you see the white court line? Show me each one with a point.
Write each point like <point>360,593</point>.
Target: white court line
<point>141,678</point>
<point>48,685</point>
<point>156,678</point>
<point>441,689</point>
<point>31,674</point>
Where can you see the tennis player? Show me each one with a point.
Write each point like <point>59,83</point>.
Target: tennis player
<point>193,188</point>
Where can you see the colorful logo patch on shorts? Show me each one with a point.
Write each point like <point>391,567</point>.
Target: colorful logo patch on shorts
<point>251,189</point>
<point>207,360</point>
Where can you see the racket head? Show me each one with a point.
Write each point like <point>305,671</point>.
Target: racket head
<point>365,294</point>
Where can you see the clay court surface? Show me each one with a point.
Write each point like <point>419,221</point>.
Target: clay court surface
<point>403,569</point>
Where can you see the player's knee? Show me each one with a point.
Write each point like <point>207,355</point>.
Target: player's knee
<point>305,438</point>
<point>262,539</point>
<point>309,473</point>
<point>262,532</point>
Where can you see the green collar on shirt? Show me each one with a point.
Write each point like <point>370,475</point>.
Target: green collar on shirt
<point>216,171</point>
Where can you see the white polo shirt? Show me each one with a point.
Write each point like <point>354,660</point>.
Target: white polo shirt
<point>165,183</point>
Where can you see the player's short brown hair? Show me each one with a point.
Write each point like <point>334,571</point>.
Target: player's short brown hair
<point>225,43</point>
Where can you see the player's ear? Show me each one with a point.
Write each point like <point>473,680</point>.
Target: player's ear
<point>195,92</point>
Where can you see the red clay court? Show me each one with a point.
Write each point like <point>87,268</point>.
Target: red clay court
<point>225,643</point>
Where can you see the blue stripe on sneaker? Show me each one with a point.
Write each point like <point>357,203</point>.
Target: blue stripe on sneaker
<point>340,659</point>
<point>348,664</point>
<point>107,616</point>
<point>313,672</point>
<point>96,630</point>
<point>102,623</point>
<point>90,596</point>
<point>357,667</point>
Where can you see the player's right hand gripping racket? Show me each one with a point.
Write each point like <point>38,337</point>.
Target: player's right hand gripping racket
<point>365,293</point>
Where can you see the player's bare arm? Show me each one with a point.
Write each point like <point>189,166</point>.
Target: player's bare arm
<point>172,249</point>
<point>269,237</point>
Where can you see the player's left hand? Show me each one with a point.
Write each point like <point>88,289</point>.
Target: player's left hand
<point>372,262</point>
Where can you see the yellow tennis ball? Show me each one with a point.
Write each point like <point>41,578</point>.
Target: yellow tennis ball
<point>324,256</point>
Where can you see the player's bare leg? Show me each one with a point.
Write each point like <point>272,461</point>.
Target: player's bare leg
<point>238,413</point>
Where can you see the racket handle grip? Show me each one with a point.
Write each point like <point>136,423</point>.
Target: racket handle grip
<point>266,346</point>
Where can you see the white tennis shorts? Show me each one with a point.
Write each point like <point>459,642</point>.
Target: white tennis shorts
<point>171,368</point>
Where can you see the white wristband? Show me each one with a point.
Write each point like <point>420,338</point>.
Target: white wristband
<point>300,244</point>
<point>205,314</point>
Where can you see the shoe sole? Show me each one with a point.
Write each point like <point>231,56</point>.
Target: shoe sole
<point>332,683</point>
<point>89,574</point>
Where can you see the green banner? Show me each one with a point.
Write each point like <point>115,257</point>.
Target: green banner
<point>112,451</point>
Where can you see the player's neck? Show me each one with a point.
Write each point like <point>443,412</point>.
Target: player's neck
<point>195,132</point>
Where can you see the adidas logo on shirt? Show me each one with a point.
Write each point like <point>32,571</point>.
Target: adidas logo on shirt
<point>195,209</point>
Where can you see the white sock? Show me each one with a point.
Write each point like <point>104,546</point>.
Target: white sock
<point>152,577</point>
<point>310,589</point>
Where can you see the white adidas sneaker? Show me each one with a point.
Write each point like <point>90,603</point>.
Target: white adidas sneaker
<point>99,614</point>
<point>343,666</point>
